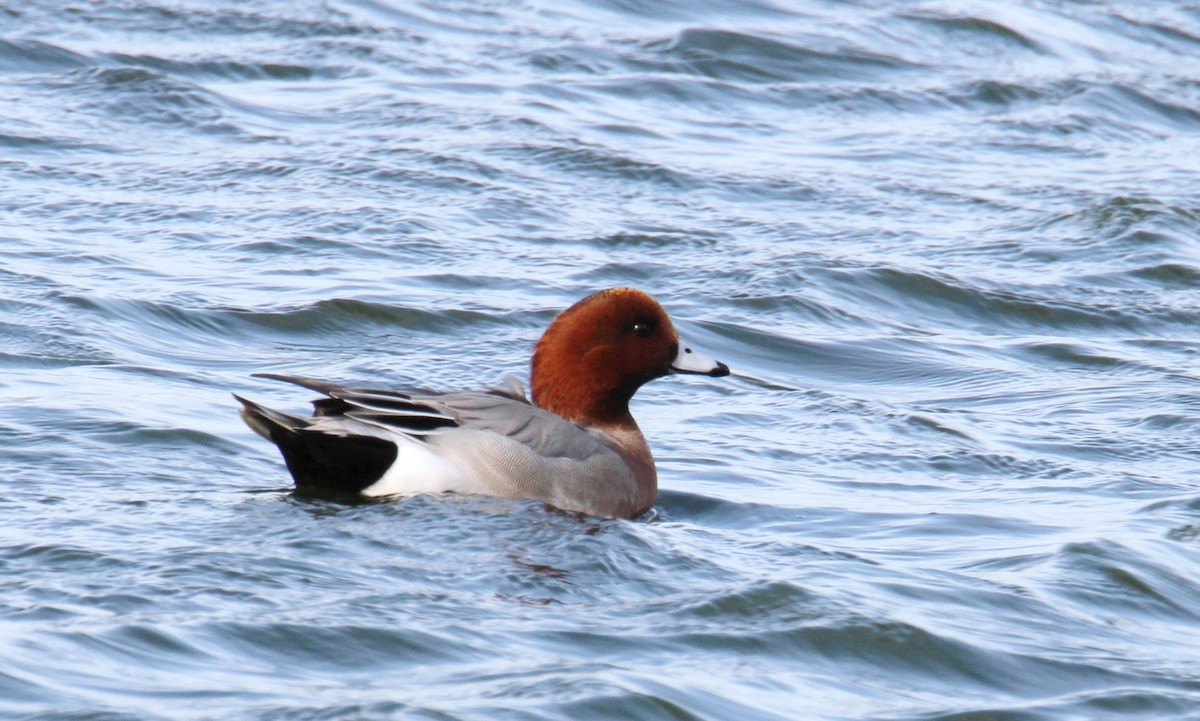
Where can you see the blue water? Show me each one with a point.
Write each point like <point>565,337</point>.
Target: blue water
<point>951,251</point>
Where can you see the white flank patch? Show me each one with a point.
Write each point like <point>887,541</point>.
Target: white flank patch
<point>418,469</point>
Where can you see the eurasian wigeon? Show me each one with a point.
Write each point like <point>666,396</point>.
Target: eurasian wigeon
<point>575,446</point>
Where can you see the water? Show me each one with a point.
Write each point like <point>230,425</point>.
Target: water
<point>948,248</point>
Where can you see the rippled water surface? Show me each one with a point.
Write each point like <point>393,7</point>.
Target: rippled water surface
<point>950,249</point>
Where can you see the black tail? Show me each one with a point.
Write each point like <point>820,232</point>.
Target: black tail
<point>319,460</point>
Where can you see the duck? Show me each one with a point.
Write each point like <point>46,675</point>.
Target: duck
<point>571,444</point>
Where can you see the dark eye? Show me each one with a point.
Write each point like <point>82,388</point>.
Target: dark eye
<point>642,327</point>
